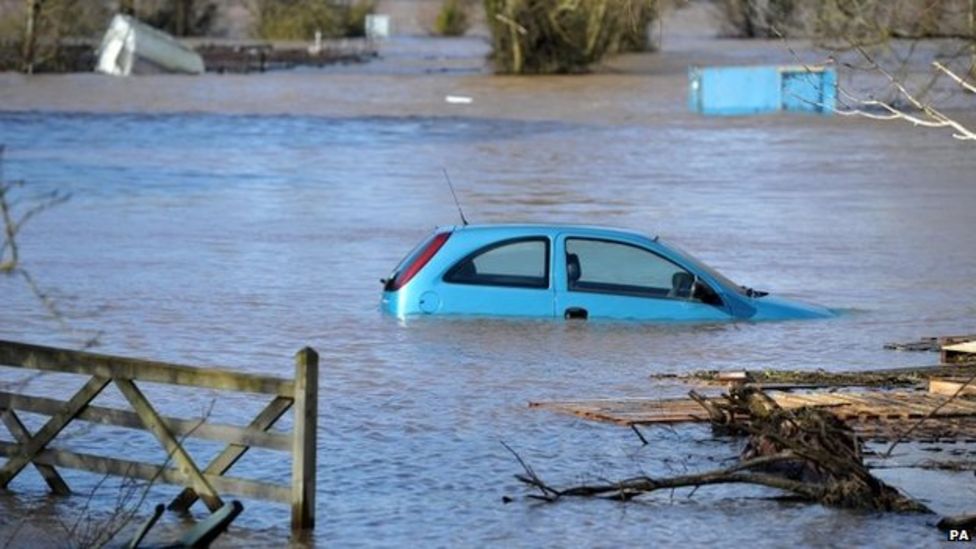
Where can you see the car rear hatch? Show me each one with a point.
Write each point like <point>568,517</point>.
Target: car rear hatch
<point>415,261</point>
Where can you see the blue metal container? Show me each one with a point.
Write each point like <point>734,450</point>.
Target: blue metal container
<point>754,90</point>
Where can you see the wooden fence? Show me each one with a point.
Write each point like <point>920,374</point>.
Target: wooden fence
<point>205,483</point>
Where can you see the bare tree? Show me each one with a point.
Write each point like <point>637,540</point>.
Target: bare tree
<point>15,212</point>
<point>30,34</point>
<point>917,110</point>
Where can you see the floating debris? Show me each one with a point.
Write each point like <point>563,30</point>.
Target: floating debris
<point>953,348</point>
<point>131,47</point>
<point>805,450</point>
<point>811,379</point>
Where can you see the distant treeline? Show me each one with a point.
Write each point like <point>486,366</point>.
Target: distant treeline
<point>527,36</point>
<point>862,20</point>
<point>62,33</point>
<point>268,19</point>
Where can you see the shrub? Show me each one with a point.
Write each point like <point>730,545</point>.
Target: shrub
<point>563,36</point>
<point>452,19</point>
<point>300,19</point>
<point>761,18</point>
<point>635,37</point>
<point>864,20</point>
<point>58,21</point>
<point>353,16</point>
<point>294,19</point>
<point>180,17</point>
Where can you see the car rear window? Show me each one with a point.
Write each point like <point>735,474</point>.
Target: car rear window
<point>521,263</point>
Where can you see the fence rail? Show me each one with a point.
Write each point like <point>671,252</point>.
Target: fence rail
<point>299,394</point>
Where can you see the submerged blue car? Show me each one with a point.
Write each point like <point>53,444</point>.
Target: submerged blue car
<point>572,272</point>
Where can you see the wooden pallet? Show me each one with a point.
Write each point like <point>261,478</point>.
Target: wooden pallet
<point>873,414</point>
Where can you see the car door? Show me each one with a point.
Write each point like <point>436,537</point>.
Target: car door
<point>610,278</point>
<point>511,277</point>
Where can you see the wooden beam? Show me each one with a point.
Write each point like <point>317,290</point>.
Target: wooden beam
<point>964,347</point>
<point>38,357</point>
<point>153,473</point>
<point>229,456</point>
<point>16,463</point>
<point>173,448</point>
<point>949,387</point>
<point>231,434</point>
<point>22,435</point>
<point>303,457</point>
<point>954,352</point>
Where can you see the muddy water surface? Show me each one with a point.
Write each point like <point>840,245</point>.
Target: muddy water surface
<point>212,236</point>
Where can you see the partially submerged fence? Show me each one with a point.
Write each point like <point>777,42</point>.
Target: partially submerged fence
<point>205,483</point>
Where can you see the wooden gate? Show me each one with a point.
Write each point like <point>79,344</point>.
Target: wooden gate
<point>205,483</point>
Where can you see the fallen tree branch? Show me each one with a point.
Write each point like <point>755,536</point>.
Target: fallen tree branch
<point>807,452</point>
<point>625,489</point>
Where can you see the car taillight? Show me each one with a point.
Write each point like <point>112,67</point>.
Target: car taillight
<point>415,264</point>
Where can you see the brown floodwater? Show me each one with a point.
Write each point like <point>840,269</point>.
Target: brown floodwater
<point>231,220</point>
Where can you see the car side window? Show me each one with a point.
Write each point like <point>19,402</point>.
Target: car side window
<point>519,263</point>
<point>614,267</point>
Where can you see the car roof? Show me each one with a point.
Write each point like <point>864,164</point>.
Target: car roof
<point>550,228</point>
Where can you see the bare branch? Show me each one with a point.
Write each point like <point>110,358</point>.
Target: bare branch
<point>926,116</point>
<point>966,85</point>
<point>928,416</point>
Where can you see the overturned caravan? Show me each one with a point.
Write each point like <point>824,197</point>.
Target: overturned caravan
<point>130,47</point>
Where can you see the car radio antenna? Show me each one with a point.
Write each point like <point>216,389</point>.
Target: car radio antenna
<point>454,194</point>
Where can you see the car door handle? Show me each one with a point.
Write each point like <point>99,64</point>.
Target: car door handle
<point>575,312</point>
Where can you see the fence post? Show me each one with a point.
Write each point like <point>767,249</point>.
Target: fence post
<point>304,439</point>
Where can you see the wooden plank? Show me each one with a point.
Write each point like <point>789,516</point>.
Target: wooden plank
<point>54,425</point>
<point>649,411</point>
<point>22,435</point>
<point>304,451</point>
<point>948,387</point>
<point>861,409</point>
<point>231,434</point>
<point>153,473</point>
<point>794,400</point>
<point>965,347</point>
<point>912,408</point>
<point>956,350</point>
<point>229,456</point>
<point>173,448</point>
<point>957,407</point>
<point>889,409</point>
<point>629,403</point>
<point>38,357</point>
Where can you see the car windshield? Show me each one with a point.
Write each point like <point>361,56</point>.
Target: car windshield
<point>693,262</point>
